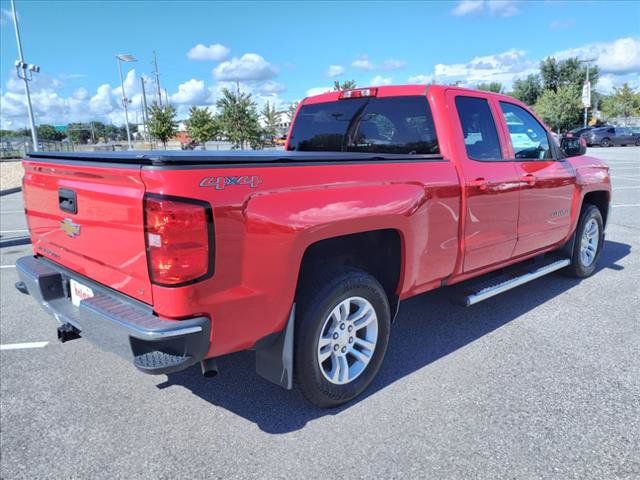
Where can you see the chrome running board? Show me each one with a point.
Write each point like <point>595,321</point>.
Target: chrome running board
<point>483,289</point>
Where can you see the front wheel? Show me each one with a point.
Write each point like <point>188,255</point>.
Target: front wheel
<point>341,335</point>
<point>588,243</point>
<point>606,142</point>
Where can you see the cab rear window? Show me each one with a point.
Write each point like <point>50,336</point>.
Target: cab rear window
<point>376,125</point>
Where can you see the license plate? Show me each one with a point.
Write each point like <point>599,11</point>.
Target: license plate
<point>79,292</point>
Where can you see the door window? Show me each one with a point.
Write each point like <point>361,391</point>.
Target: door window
<point>478,128</point>
<point>528,137</point>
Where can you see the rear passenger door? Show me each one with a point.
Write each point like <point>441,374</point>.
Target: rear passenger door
<point>547,183</point>
<point>490,182</point>
<point>623,136</point>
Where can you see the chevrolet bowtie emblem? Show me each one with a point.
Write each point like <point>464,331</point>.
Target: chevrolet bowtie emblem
<point>70,228</point>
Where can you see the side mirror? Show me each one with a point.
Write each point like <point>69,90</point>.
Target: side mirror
<point>572,147</point>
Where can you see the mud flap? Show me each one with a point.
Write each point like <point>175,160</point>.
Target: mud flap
<point>274,362</point>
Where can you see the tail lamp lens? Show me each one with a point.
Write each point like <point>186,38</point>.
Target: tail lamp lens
<point>179,240</point>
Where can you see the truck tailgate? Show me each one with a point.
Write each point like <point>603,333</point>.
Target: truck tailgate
<point>89,218</point>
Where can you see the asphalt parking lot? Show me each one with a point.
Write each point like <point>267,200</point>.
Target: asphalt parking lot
<point>540,382</point>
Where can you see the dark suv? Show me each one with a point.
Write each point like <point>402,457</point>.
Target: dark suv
<point>610,136</point>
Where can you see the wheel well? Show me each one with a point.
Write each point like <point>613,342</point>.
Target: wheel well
<point>601,201</point>
<point>376,252</point>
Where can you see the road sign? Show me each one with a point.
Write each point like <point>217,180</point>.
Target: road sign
<point>586,94</point>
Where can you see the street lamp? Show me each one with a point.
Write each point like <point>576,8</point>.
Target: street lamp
<point>125,57</point>
<point>586,99</point>
<point>25,72</point>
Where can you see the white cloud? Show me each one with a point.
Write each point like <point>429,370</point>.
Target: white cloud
<point>335,70</point>
<point>503,8</point>
<point>6,17</point>
<point>380,80</point>
<point>465,7</point>
<point>105,103</point>
<point>421,79</point>
<point>270,87</point>
<point>562,24</point>
<point>317,91</point>
<point>620,56</point>
<point>215,52</point>
<point>191,92</point>
<point>502,67</point>
<point>393,64</point>
<point>362,63</point>
<point>498,8</point>
<point>249,67</point>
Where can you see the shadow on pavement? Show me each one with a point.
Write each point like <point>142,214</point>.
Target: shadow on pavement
<point>428,327</point>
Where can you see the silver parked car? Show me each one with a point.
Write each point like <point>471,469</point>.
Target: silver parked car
<point>610,136</point>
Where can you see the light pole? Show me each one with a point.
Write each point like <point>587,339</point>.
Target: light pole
<point>588,86</point>
<point>125,57</point>
<point>25,72</point>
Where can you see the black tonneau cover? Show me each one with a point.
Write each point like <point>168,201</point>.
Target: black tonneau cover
<point>202,157</point>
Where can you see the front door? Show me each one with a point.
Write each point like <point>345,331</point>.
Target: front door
<point>547,183</point>
<point>491,185</point>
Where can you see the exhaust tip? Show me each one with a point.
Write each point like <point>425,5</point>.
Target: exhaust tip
<point>209,367</point>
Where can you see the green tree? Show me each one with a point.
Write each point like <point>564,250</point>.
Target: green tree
<point>560,109</point>
<point>202,125</point>
<point>239,119</point>
<point>566,72</point>
<point>491,87</point>
<point>49,132</point>
<point>291,111</point>
<point>162,122</point>
<point>346,85</point>
<point>79,132</point>
<point>271,120</point>
<point>527,90</point>
<point>624,102</point>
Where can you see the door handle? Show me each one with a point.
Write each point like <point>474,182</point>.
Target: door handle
<point>479,183</point>
<point>529,179</point>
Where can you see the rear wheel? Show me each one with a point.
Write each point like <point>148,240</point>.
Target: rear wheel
<point>638,142</point>
<point>341,335</point>
<point>606,142</point>
<point>588,243</point>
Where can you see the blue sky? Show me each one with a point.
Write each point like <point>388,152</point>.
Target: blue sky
<point>282,51</point>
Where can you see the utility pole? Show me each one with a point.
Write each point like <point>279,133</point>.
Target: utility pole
<point>145,113</point>
<point>25,72</point>
<point>157,73</point>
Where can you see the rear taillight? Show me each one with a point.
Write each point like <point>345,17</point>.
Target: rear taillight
<point>179,239</point>
<point>359,93</point>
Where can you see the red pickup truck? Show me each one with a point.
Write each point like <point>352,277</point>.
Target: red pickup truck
<point>304,255</point>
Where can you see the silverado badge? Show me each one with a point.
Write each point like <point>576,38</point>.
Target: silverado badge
<point>70,228</point>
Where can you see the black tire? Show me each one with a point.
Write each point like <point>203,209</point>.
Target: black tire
<point>606,142</point>
<point>315,300</point>
<point>638,142</point>
<point>578,268</point>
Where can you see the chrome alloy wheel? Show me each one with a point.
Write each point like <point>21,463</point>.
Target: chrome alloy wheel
<point>589,242</point>
<point>347,340</point>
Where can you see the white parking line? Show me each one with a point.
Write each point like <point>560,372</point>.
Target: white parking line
<point>627,205</point>
<point>7,266</point>
<point>13,231</point>
<point>11,211</point>
<point>626,187</point>
<point>19,346</point>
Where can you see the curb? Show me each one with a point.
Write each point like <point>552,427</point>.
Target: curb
<point>9,191</point>
<point>15,241</point>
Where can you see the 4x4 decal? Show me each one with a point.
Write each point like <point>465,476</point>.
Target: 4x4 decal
<point>219,183</point>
